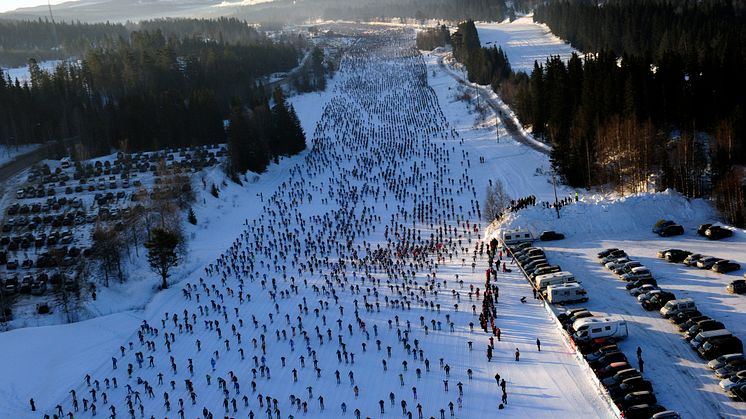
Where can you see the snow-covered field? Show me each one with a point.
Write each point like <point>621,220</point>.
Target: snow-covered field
<point>392,162</point>
<point>523,41</point>
<point>680,378</point>
<point>22,73</point>
<point>9,153</point>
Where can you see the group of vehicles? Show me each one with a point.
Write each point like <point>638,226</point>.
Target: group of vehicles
<point>666,228</point>
<point>596,339</point>
<point>708,337</point>
<point>640,281</point>
<point>702,261</point>
<point>549,281</point>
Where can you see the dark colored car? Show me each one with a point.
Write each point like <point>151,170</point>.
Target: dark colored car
<point>658,301</point>
<point>671,230</point>
<point>725,266</point>
<point>677,255</point>
<point>641,282</point>
<point>606,252</point>
<point>661,225</point>
<point>642,411</point>
<point>737,287</point>
<point>629,385</point>
<point>551,235</point>
<point>685,325</point>
<point>611,369</point>
<point>607,359</point>
<point>703,228</point>
<point>682,317</point>
<point>717,233</point>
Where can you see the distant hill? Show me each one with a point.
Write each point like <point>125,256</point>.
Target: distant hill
<point>123,10</point>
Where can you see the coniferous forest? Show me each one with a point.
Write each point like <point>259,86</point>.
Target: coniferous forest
<point>157,88</point>
<point>658,99</point>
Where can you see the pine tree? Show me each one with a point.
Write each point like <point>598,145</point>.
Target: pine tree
<point>191,217</point>
<point>162,254</point>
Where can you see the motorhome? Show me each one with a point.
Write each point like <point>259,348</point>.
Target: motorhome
<point>514,236</point>
<point>566,293</point>
<point>563,277</point>
<point>599,327</point>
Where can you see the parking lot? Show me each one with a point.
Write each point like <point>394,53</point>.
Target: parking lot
<point>50,210</point>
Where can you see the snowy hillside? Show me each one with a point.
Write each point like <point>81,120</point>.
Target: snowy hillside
<point>523,41</point>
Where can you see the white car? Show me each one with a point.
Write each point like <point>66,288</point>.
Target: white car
<point>637,273</point>
<point>642,289</point>
<point>733,381</point>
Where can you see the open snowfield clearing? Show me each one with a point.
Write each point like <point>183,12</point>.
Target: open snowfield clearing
<point>355,242</point>
<point>523,41</point>
<point>680,378</point>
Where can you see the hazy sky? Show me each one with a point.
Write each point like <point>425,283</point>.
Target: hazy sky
<point>6,5</point>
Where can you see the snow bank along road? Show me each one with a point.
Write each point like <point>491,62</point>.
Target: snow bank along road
<point>351,292</point>
<point>680,377</point>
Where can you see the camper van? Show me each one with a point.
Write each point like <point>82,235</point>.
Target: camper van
<point>675,307</point>
<point>557,278</point>
<point>514,236</point>
<point>599,327</point>
<point>566,293</point>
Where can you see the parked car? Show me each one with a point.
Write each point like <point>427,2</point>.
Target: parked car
<point>671,230</point>
<point>686,325</point>
<point>639,283</point>
<point>642,411</point>
<point>638,397</point>
<point>611,369</point>
<point>703,326</point>
<point>606,252</point>
<point>551,235</point>
<point>643,289</point>
<point>606,349</point>
<point>725,266</point>
<point>737,287</point>
<point>607,360</point>
<point>616,263</point>
<point>724,360</point>
<point>627,267</point>
<point>692,259</point>
<point>703,228</point>
<point>733,381</point>
<point>707,262</point>
<point>613,256</point>
<point>718,232</point>
<point>629,385</point>
<point>660,225</point>
<point>677,255</point>
<point>638,273</point>
<point>730,369</point>
<point>666,414</point>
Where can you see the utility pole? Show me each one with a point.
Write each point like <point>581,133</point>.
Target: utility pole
<point>497,128</point>
<point>54,28</point>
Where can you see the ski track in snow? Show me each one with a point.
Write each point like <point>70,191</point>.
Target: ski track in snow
<point>385,145</point>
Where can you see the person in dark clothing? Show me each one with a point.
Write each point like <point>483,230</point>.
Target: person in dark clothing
<point>538,344</point>
<point>33,405</point>
<point>641,364</point>
<point>517,354</point>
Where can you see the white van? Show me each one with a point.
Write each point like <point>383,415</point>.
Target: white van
<point>599,327</point>
<point>703,337</point>
<point>566,293</point>
<point>675,307</point>
<point>514,236</point>
<point>556,278</point>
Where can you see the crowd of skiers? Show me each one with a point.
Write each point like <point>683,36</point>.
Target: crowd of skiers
<point>341,267</point>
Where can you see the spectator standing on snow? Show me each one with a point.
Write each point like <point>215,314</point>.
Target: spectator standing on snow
<point>538,344</point>
<point>517,354</point>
